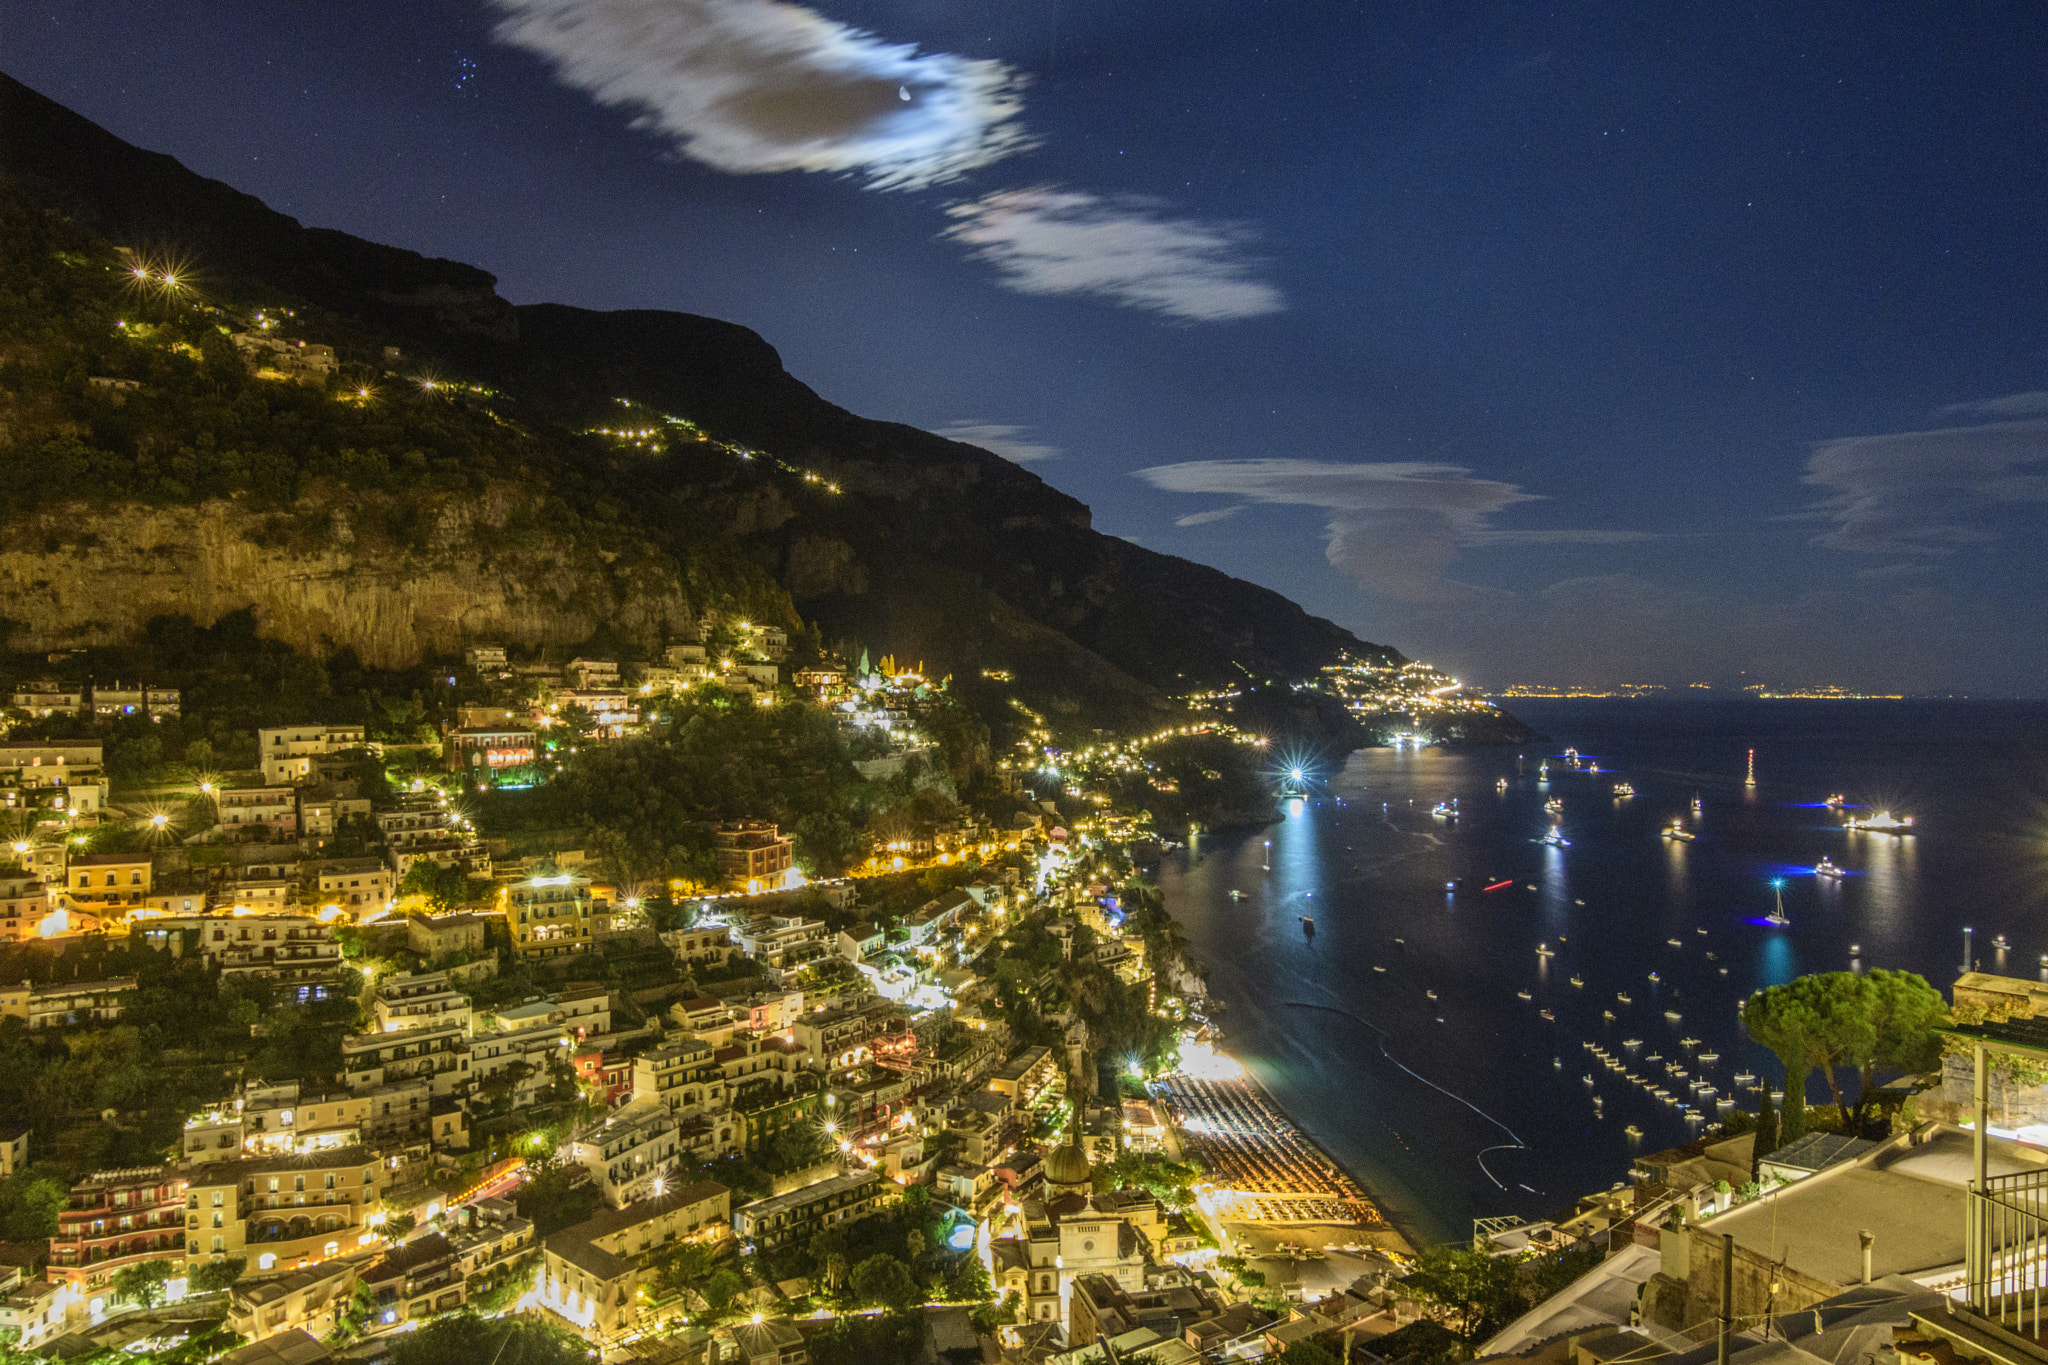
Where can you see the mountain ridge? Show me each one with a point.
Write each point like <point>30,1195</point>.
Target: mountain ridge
<point>937,549</point>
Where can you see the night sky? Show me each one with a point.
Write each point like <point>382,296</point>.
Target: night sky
<point>1581,344</point>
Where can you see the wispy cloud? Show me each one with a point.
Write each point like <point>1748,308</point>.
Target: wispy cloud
<point>753,86</point>
<point>1925,493</point>
<point>1204,518</point>
<point>2011,405</point>
<point>1395,527</point>
<point>1013,443</point>
<point>1127,249</point>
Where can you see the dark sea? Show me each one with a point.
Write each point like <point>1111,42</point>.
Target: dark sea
<point>1472,1104</point>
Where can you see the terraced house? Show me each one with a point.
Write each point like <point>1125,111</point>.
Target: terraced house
<point>282,1212</point>
<point>592,1272</point>
<point>115,1219</point>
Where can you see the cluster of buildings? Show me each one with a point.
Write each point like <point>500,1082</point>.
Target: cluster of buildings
<point>500,743</point>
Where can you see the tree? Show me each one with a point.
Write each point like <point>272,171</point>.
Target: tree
<point>465,1338</point>
<point>1766,1134</point>
<point>1905,1011</point>
<point>144,1282</point>
<point>683,1268</point>
<point>885,1281</point>
<point>724,1286</point>
<point>1476,1291</point>
<point>1792,1122</point>
<point>1426,1342</point>
<point>1783,1020</point>
<point>217,1274</point>
<point>1310,1352</point>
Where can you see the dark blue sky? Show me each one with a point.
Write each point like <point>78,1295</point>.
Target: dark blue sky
<point>1579,344</point>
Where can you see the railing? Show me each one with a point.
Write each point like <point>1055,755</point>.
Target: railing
<point>2006,1250</point>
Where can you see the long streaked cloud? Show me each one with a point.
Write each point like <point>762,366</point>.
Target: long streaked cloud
<point>752,86</point>
<point>1925,494</point>
<point>1394,526</point>
<point>1204,518</point>
<point>1013,443</point>
<point>2011,405</point>
<point>1127,249</point>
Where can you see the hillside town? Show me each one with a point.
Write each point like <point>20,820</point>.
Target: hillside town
<point>422,1068</point>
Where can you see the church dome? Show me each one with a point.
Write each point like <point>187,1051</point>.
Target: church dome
<point>1068,1165</point>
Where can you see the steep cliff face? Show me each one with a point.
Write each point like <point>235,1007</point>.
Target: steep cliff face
<point>934,549</point>
<point>328,573</point>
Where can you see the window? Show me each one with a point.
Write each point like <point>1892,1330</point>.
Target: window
<point>219,1245</point>
<point>267,1261</point>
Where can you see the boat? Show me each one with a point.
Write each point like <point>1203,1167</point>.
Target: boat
<point>1376,967</point>
<point>1587,1078</point>
<point>1631,1042</point>
<point>1624,789</point>
<point>2000,943</point>
<point>1826,868</point>
<point>1622,996</point>
<point>1308,925</point>
<point>1579,981</point>
<point>1777,916</point>
<point>1695,803</point>
<point>1688,1043</point>
<point>1543,771</point>
<point>1554,839</point>
<point>1592,767</point>
<point>1547,1015</point>
<point>1236,894</point>
<point>1676,943</point>
<point>1501,785</point>
<point>1545,950</point>
<point>1654,978</point>
<point>1710,1056</point>
<point>1677,831</point>
<point>1744,1077</point>
<point>1430,994</point>
<point>1443,810</point>
<point>1608,1015</point>
<point>1554,806</point>
<point>1557,1063</point>
<point>1523,995</point>
<point>1672,1015</point>
<point>1836,801</point>
<point>1633,1131</point>
<point>1884,822</point>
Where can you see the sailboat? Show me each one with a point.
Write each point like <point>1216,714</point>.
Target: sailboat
<point>1777,916</point>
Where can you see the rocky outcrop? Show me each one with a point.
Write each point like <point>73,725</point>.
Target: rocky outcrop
<point>327,573</point>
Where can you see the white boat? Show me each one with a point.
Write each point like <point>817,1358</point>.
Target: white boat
<point>1677,831</point>
<point>1623,789</point>
<point>1884,822</point>
<point>1376,967</point>
<point>1674,942</point>
<point>1545,950</point>
<point>1654,978</point>
<point>1633,1131</point>
<point>1710,1056</point>
<point>1501,785</point>
<point>1523,995</point>
<point>1443,810</point>
<point>1622,996</point>
<point>1672,1015</point>
<point>1826,868</point>
<point>1430,994</point>
<point>1554,839</point>
<point>1578,981</point>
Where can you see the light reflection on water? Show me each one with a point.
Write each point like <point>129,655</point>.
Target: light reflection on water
<point>1359,1079</point>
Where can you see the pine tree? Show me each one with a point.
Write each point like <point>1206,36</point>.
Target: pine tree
<point>1766,1135</point>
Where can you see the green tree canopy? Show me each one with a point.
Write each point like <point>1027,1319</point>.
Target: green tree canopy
<point>884,1281</point>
